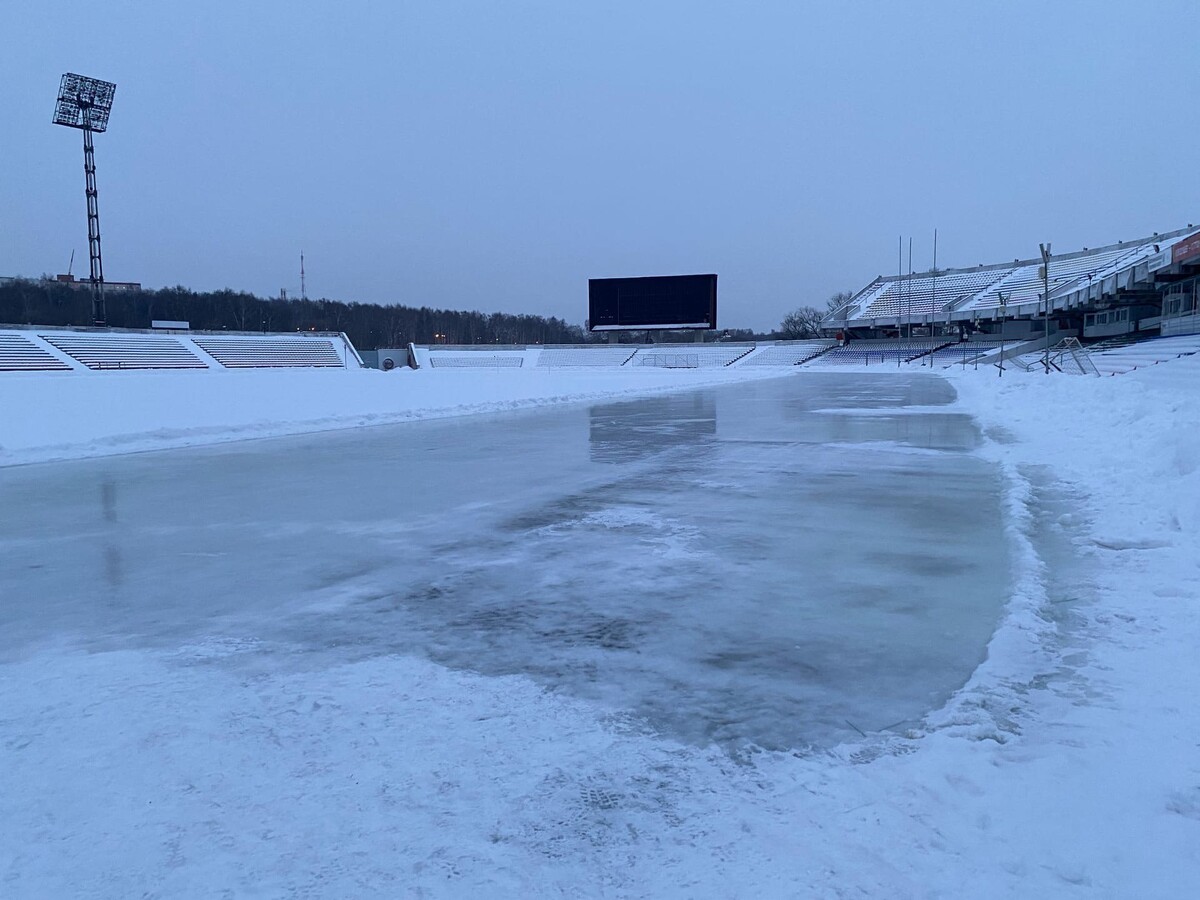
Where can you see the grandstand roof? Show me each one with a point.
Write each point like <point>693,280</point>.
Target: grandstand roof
<point>959,294</point>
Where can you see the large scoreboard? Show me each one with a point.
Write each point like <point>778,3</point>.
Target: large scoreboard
<point>659,301</point>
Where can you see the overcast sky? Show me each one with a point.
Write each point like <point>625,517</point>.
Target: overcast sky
<point>495,155</point>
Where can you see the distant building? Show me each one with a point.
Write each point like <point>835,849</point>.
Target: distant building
<point>116,287</point>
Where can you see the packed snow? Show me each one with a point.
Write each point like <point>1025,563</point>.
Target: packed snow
<point>179,758</point>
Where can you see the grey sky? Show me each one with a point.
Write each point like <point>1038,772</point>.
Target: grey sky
<point>495,155</point>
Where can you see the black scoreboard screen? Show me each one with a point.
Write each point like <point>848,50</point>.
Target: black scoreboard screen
<point>660,301</point>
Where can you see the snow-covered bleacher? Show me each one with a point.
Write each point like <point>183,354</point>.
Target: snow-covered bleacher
<point>1023,285</point>
<point>616,355</point>
<point>924,294</point>
<point>124,351</point>
<point>788,353</point>
<point>965,352</point>
<point>866,353</point>
<point>690,356</point>
<point>1010,290</point>
<point>475,361</point>
<point>270,352</point>
<point>19,354</point>
<point>1118,360</point>
<point>79,350</point>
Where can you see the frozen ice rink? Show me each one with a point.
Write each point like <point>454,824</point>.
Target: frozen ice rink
<point>780,563</point>
<point>461,638</point>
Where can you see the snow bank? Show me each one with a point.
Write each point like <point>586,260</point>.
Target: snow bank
<point>1089,769</point>
<point>52,416</point>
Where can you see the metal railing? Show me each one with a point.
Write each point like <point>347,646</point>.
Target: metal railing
<point>1068,356</point>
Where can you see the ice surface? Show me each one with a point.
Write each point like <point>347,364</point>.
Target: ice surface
<point>781,563</point>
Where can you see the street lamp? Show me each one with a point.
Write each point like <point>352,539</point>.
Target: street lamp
<point>1045,248</point>
<point>1003,316</point>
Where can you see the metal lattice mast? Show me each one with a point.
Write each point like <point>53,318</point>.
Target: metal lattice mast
<point>85,103</point>
<point>93,213</point>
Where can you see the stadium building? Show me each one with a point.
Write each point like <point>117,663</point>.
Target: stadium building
<point>1141,288</point>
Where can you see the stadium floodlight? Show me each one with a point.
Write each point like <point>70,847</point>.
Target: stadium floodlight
<point>85,103</point>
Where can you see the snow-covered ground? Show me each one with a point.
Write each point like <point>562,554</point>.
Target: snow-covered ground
<point>1068,765</point>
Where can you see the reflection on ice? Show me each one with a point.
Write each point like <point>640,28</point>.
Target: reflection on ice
<point>620,433</point>
<point>756,563</point>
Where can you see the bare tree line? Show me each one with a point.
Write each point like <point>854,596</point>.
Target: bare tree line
<point>368,325</point>
<point>805,321</point>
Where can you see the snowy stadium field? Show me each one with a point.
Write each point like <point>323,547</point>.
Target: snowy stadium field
<point>647,633</point>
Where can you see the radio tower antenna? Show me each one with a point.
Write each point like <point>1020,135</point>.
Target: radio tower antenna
<point>303,292</point>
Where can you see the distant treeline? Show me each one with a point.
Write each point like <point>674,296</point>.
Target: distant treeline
<point>368,325</point>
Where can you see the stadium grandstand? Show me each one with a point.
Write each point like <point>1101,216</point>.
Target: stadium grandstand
<point>64,350</point>
<point>964,353</point>
<point>665,356</point>
<point>789,353</point>
<point>1118,359</point>
<point>475,361</point>
<point>585,355</point>
<point>44,349</point>
<point>694,356</point>
<point>1147,286</point>
<point>878,351</point>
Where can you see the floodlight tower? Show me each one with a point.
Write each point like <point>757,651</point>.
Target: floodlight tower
<point>85,103</point>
